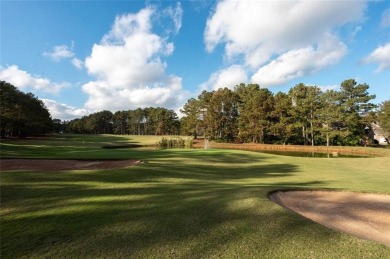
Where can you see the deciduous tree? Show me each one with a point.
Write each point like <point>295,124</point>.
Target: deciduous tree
<point>22,114</point>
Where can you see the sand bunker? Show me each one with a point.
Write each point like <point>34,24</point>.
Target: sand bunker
<point>365,215</point>
<point>58,165</point>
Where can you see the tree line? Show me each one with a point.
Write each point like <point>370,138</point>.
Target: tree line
<point>248,113</point>
<point>304,115</point>
<point>147,121</point>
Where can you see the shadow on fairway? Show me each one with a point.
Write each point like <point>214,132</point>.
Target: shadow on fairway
<point>208,203</point>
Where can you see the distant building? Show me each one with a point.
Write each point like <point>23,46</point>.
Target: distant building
<point>379,135</point>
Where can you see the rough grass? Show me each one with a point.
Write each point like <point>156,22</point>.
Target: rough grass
<point>178,203</point>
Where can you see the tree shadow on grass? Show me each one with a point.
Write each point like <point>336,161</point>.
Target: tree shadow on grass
<point>64,145</point>
<point>136,222</point>
<point>183,209</point>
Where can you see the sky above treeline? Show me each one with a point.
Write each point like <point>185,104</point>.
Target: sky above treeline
<point>81,57</point>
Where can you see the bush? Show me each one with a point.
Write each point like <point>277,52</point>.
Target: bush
<point>175,142</point>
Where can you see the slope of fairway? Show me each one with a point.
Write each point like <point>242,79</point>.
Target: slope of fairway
<point>176,203</point>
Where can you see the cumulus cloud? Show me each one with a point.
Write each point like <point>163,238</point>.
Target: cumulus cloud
<point>128,24</point>
<point>228,77</point>
<point>23,80</point>
<point>128,66</point>
<point>261,32</point>
<point>298,62</point>
<point>62,111</point>
<point>59,52</point>
<point>381,56</point>
<point>101,96</point>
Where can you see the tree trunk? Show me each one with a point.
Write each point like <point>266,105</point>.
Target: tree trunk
<point>327,139</point>
<point>311,129</point>
<point>312,136</point>
<point>262,136</point>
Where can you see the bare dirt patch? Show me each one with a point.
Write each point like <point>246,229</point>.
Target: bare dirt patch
<point>58,165</point>
<point>365,215</point>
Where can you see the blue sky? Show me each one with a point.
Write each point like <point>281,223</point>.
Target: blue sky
<point>81,57</point>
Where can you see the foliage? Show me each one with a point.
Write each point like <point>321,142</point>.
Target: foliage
<point>147,121</point>
<point>191,122</point>
<point>22,114</point>
<point>304,115</point>
<point>175,142</point>
<point>355,105</point>
<point>384,117</point>
<point>254,109</point>
<point>195,110</point>
<point>305,107</point>
<point>249,113</point>
<point>221,116</point>
<point>282,124</point>
<point>330,115</point>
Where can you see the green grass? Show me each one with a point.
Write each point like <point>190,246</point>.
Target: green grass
<point>178,203</point>
<point>74,146</point>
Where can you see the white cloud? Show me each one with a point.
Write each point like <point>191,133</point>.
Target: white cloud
<point>176,15</point>
<point>77,63</point>
<point>128,24</point>
<point>102,95</point>
<point>62,111</point>
<point>228,77</point>
<point>128,66</point>
<point>59,52</point>
<point>299,62</point>
<point>249,26</point>
<point>135,63</point>
<point>385,22</point>
<point>261,32</point>
<point>380,55</point>
<point>23,80</point>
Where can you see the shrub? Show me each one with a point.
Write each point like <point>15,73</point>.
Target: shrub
<point>175,142</point>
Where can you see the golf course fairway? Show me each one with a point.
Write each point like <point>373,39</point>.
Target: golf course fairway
<point>174,203</point>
